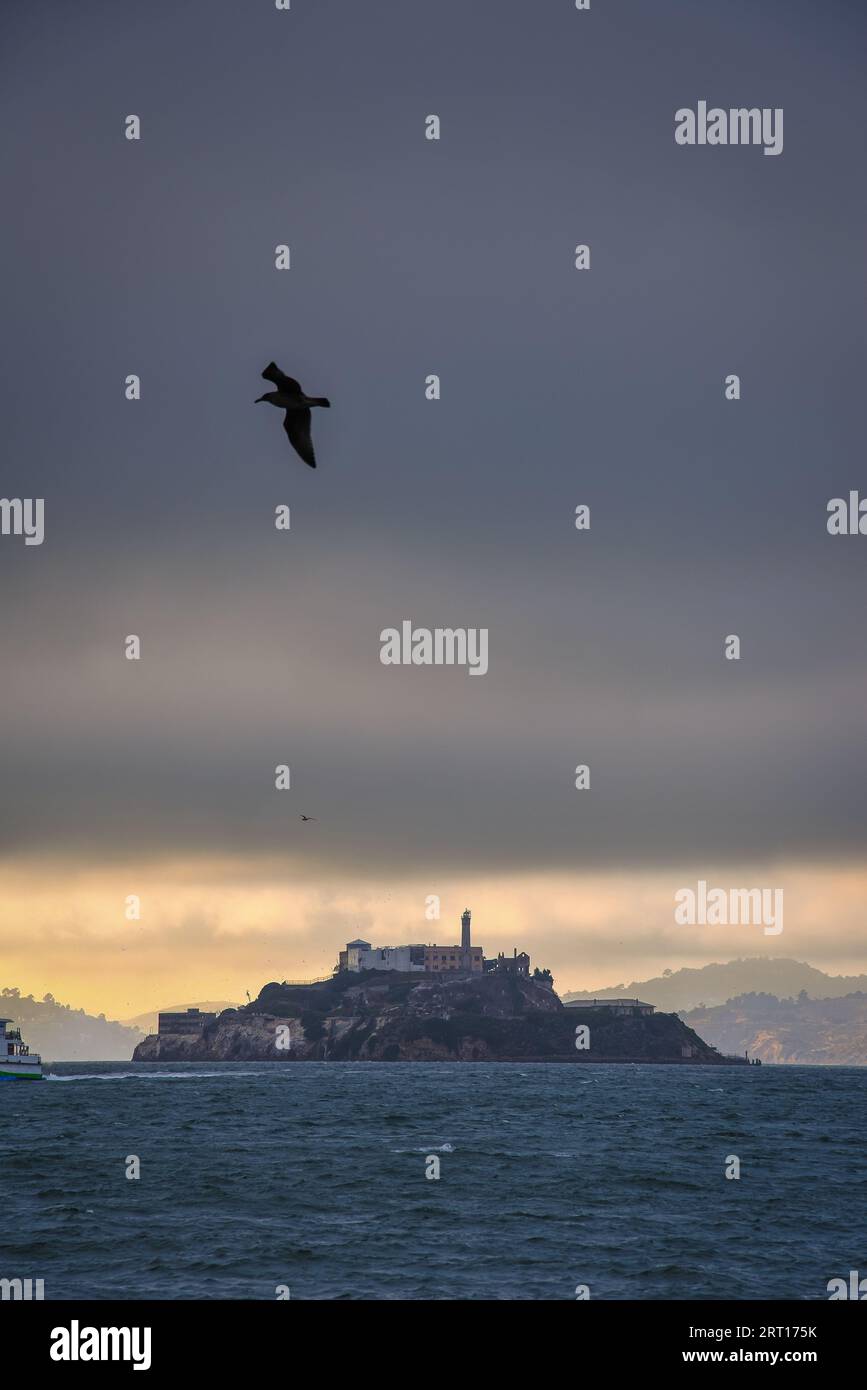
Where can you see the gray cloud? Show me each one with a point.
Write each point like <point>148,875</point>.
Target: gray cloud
<point>690,756</point>
<point>558,388</point>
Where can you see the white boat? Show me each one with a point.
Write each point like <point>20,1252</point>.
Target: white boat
<point>17,1062</point>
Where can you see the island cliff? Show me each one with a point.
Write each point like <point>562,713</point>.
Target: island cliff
<point>419,1018</point>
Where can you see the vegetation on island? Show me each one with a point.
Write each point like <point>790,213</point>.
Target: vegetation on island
<point>379,1016</point>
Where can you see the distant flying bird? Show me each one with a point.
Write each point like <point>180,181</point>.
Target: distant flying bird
<point>296,421</point>
<point>308,817</point>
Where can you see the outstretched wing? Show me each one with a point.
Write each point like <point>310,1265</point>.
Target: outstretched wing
<point>283,383</point>
<point>296,423</point>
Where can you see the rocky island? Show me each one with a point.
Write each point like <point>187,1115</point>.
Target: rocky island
<point>379,1016</point>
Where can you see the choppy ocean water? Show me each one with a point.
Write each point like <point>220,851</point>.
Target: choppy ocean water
<point>312,1176</point>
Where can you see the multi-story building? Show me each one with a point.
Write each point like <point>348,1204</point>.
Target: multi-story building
<point>431,958</point>
<point>466,957</point>
<point>405,958</point>
<point>193,1021</point>
<point>348,959</point>
<point>438,958</point>
<point>516,964</point>
<point>360,955</point>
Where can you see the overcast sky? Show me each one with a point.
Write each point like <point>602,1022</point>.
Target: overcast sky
<point>559,387</point>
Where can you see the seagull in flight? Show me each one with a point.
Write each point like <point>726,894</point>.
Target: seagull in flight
<point>296,421</point>
<point>308,817</point>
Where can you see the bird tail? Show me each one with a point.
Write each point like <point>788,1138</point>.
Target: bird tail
<point>320,400</point>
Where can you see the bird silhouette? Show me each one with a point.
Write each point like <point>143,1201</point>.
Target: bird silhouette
<point>308,817</point>
<point>296,421</point>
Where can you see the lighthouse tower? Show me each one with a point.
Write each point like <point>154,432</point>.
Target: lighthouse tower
<point>466,959</point>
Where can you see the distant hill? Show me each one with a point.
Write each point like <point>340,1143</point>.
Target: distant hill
<point>678,990</point>
<point>147,1023</point>
<point>788,1030</point>
<point>63,1034</point>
